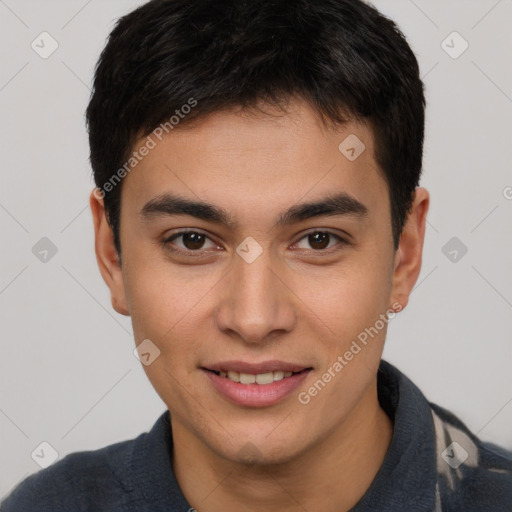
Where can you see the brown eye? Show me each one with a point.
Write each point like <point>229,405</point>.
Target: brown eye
<point>191,241</point>
<point>320,240</point>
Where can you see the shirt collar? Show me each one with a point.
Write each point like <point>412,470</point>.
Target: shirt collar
<point>407,478</point>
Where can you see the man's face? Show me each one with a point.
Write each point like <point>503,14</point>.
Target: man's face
<point>294,294</point>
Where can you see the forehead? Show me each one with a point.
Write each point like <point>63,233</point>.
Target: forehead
<point>249,160</point>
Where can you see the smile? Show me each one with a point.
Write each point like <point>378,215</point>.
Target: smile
<point>257,385</point>
<point>260,378</point>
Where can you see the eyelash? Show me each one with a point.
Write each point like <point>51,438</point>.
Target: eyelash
<point>166,242</point>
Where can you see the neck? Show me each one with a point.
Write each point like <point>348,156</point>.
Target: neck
<point>332,475</point>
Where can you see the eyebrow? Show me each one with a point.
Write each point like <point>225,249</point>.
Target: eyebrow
<point>171,204</point>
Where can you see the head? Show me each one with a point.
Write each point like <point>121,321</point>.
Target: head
<point>286,139</point>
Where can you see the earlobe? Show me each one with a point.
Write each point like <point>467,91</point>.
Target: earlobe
<point>408,257</point>
<point>106,254</point>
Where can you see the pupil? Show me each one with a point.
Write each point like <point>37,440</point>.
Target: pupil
<point>193,240</point>
<point>319,238</point>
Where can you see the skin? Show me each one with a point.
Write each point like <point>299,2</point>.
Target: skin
<point>296,302</point>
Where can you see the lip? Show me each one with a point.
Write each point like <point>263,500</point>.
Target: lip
<point>254,368</point>
<point>256,395</point>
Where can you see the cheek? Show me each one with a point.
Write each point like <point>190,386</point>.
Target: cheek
<point>353,343</point>
<point>345,299</point>
<point>167,302</point>
<point>368,300</point>
<point>148,282</point>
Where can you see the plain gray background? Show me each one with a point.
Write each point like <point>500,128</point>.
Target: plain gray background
<point>68,375</point>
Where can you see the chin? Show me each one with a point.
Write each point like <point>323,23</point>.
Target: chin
<point>263,451</point>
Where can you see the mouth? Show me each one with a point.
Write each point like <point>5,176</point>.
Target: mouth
<point>256,385</point>
<point>262,379</point>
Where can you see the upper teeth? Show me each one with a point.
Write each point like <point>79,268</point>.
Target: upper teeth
<point>260,378</point>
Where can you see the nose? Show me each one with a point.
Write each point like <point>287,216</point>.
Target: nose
<point>256,303</point>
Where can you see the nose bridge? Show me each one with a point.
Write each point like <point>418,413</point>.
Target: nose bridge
<point>253,283</point>
<point>257,302</point>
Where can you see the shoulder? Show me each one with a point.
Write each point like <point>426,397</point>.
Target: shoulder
<point>85,480</point>
<point>472,474</point>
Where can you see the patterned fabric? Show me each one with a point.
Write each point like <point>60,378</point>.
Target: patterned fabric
<point>434,464</point>
<point>471,475</point>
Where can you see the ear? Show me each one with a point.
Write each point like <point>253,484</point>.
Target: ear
<point>408,256</point>
<point>106,254</point>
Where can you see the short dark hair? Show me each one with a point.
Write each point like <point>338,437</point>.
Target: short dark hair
<point>347,60</point>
